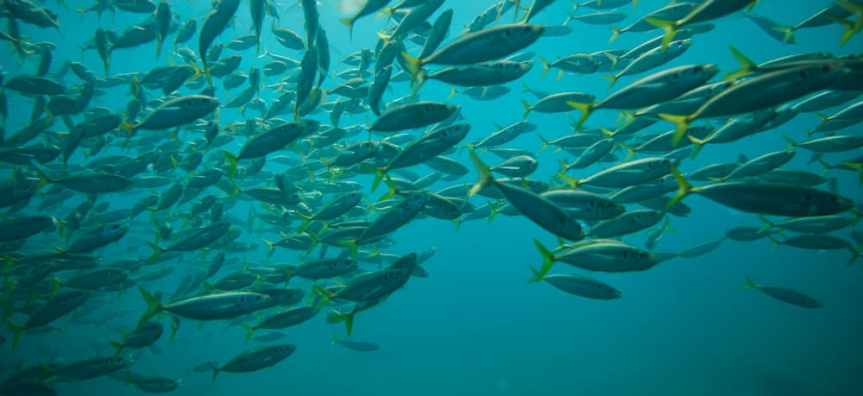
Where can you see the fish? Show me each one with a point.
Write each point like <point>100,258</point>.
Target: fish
<point>767,198</point>
<point>358,346</point>
<point>785,295</point>
<point>538,209</point>
<point>482,46</point>
<point>210,307</point>
<point>582,286</point>
<point>213,26</point>
<point>256,359</point>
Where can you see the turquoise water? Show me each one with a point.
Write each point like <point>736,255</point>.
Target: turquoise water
<point>473,327</point>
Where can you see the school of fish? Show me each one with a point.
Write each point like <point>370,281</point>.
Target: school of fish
<point>320,136</point>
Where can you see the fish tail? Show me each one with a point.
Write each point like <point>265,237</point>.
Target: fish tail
<point>413,65</point>
<point>850,28</point>
<point>616,32</point>
<point>325,296</point>
<point>572,13</point>
<point>305,220</point>
<point>18,331</point>
<point>586,110</point>
<point>210,83</point>
<point>682,123</point>
<point>44,180</point>
<point>545,143</point>
<point>670,28</point>
<point>685,188</point>
<point>699,145</point>
<point>159,47</point>
<point>746,65</point>
<point>856,166</point>
<point>614,60</point>
<point>571,181</point>
<point>452,92</point>
<point>791,143</point>
<point>153,306</point>
<point>457,223</point>
<point>129,128</point>
<point>379,173</point>
<point>527,108</point>
<point>563,166</point>
<point>271,247</point>
<point>393,190</point>
<point>776,243</point>
<point>250,331</point>
<point>667,225</point>
<point>606,132</point>
<point>787,33</point>
<point>421,79</point>
<point>515,11</point>
<point>353,244</point>
<point>118,348</point>
<point>232,162</point>
<point>348,318</point>
<point>612,79</point>
<point>388,11</point>
<point>492,212</point>
<point>315,239</point>
<point>547,262</point>
<point>546,67</point>
<point>749,284</point>
<point>855,254</point>
<point>768,225</point>
<point>157,251</point>
<point>559,76</point>
<point>349,22</point>
<point>484,171</point>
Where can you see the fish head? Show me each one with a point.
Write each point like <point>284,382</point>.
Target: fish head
<point>353,196</point>
<point>200,103</point>
<point>439,110</point>
<point>523,33</point>
<point>115,231</point>
<point>456,132</point>
<point>253,299</point>
<point>416,201</point>
<point>153,327</point>
<point>695,75</point>
<point>608,207</point>
<point>829,202</point>
<point>221,226</point>
<point>283,350</point>
<point>173,384</point>
<point>344,263</point>
<point>680,45</point>
<point>74,298</point>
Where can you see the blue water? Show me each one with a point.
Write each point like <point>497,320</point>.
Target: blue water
<point>473,327</point>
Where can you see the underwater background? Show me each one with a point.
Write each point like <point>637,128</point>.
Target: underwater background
<point>473,327</point>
